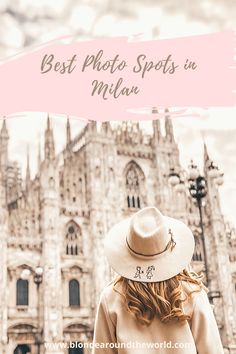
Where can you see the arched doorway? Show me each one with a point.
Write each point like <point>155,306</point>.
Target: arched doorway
<point>22,349</point>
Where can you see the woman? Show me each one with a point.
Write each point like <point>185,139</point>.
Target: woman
<point>156,305</point>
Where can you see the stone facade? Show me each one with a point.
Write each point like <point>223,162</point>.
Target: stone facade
<point>58,219</point>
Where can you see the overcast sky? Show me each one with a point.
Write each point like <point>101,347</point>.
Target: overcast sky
<point>25,22</point>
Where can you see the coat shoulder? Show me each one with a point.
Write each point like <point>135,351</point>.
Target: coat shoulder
<point>193,294</point>
<point>108,290</point>
<point>111,290</point>
<point>112,296</point>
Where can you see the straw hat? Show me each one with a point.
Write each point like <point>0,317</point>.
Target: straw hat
<point>149,247</point>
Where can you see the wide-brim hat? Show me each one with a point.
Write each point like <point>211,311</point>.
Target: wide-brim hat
<point>149,247</point>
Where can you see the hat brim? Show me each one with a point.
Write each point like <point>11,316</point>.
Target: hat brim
<point>163,266</point>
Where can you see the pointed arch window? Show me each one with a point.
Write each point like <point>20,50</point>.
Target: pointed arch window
<point>134,178</point>
<point>22,292</point>
<point>74,293</point>
<point>73,246</point>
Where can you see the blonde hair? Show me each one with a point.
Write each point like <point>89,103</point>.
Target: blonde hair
<point>160,299</point>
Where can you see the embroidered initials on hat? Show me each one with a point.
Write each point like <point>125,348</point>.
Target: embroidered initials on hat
<point>139,272</point>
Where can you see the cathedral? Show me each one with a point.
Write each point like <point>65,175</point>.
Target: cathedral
<point>52,265</point>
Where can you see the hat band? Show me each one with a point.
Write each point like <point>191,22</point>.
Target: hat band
<point>170,245</point>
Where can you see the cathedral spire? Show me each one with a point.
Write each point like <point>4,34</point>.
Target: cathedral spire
<point>39,155</point>
<point>4,131</point>
<point>2,191</point>
<point>68,132</point>
<point>27,175</point>
<point>4,137</point>
<point>136,126</point>
<point>156,125</point>
<point>106,128</point>
<point>208,163</point>
<point>48,122</point>
<point>168,126</point>
<point>206,155</point>
<point>92,126</point>
<point>49,147</point>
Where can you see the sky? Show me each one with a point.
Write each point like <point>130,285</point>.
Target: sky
<point>24,23</point>
<point>218,130</point>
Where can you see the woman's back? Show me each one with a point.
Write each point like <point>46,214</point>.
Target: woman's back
<point>119,331</point>
<point>156,305</point>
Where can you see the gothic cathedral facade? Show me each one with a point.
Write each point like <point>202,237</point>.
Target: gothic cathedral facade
<point>52,266</point>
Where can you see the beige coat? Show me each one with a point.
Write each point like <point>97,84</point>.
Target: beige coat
<point>114,326</point>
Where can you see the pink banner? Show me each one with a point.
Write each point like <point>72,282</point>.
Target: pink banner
<point>105,79</point>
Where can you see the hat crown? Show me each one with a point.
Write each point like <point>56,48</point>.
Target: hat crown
<point>148,235</point>
<point>149,247</point>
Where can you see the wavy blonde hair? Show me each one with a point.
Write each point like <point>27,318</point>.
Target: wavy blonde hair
<point>160,299</point>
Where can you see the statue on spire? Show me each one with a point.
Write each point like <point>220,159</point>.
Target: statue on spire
<point>49,146</point>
